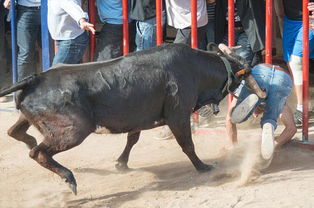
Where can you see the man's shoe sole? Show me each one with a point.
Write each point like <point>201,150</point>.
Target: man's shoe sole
<point>241,111</point>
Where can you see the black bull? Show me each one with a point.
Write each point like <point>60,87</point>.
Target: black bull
<point>140,91</point>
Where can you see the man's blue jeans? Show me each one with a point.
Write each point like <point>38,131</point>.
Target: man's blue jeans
<point>71,51</point>
<point>278,86</point>
<point>28,33</point>
<point>146,33</point>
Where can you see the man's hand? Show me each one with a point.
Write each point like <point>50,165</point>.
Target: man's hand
<point>7,4</point>
<point>87,26</point>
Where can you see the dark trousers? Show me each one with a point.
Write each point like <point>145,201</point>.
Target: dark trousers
<point>184,36</point>
<point>110,41</point>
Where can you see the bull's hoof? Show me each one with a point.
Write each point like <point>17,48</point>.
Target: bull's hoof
<point>204,168</point>
<point>122,167</point>
<point>31,144</point>
<point>72,183</point>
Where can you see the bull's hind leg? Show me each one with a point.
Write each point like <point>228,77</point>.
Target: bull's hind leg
<point>18,132</point>
<point>60,135</point>
<point>122,162</point>
<point>181,129</point>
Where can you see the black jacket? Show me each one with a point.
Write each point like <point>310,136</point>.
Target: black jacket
<point>252,14</point>
<point>143,9</point>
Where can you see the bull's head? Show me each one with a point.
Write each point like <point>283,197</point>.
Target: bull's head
<point>244,69</point>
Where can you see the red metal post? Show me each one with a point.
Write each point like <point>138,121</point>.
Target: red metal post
<point>230,23</point>
<point>194,34</point>
<point>269,31</point>
<point>230,31</point>
<point>305,69</point>
<point>159,22</point>
<point>92,19</point>
<point>125,20</point>
<point>194,23</point>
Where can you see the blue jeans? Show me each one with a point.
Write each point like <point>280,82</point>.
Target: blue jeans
<point>278,86</point>
<point>71,51</point>
<point>146,33</point>
<point>28,33</point>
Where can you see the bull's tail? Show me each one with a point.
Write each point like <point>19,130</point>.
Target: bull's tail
<point>28,81</point>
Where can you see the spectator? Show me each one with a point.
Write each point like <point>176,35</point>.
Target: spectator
<point>28,33</point>
<point>278,84</point>
<point>311,10</point>
<point>210,28</point>
<point>292,48</point>
<point>109,44</point>
<point>66,23</point>
<point>249,27</point>
<point>144,12</point>
<point>3,58</point>
<point>278,8</point>
<point>179,17</point>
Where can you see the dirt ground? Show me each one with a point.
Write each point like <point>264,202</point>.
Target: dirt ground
<point>161,175</point>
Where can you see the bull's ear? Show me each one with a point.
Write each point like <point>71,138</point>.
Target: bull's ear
<point>212,47</point>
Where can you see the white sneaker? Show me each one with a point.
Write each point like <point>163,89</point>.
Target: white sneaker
<point>241,111</point>
<point>267,146</point>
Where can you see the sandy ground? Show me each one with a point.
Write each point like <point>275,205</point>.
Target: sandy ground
<point>161,175</point>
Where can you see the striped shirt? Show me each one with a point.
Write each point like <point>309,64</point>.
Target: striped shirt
<point>211,10</point>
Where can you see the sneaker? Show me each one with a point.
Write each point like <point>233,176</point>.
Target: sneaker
<point>267,146</point>
<point>241,111</point>
<point>297,117</point>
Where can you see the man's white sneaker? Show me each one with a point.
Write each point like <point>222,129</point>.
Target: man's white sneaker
<point>241,111</point>
<point>267,146</point>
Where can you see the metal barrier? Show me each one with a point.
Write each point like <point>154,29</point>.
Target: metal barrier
<point>159,30</point>
<point>305,68</point>
<point>45,37</point>
<point>92,37</point>
<point>13,42</point>
<point>230,32</point>
<point>269,31</point>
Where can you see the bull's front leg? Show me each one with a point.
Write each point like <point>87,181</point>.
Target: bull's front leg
<point>181,129</point>
<point>122,162</point>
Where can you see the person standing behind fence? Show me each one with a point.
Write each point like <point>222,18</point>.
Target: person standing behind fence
<point>293,49</point>
<point>27,34</point>
<point>249,27</point>
<point>210,28</point>
<point>179,17</point>
<point>66,23</point>
<point>144,12</point>
<point>109,43</point>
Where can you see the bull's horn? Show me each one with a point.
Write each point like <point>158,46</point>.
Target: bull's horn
<point>254,86</point>
<point>234,48</point>
<point>225,49</point>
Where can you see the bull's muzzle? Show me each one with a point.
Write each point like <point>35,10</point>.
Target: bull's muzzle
<point>254,86</point>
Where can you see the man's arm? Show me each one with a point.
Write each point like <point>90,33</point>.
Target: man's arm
<point>231,128</point>
<point>286,135</point>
